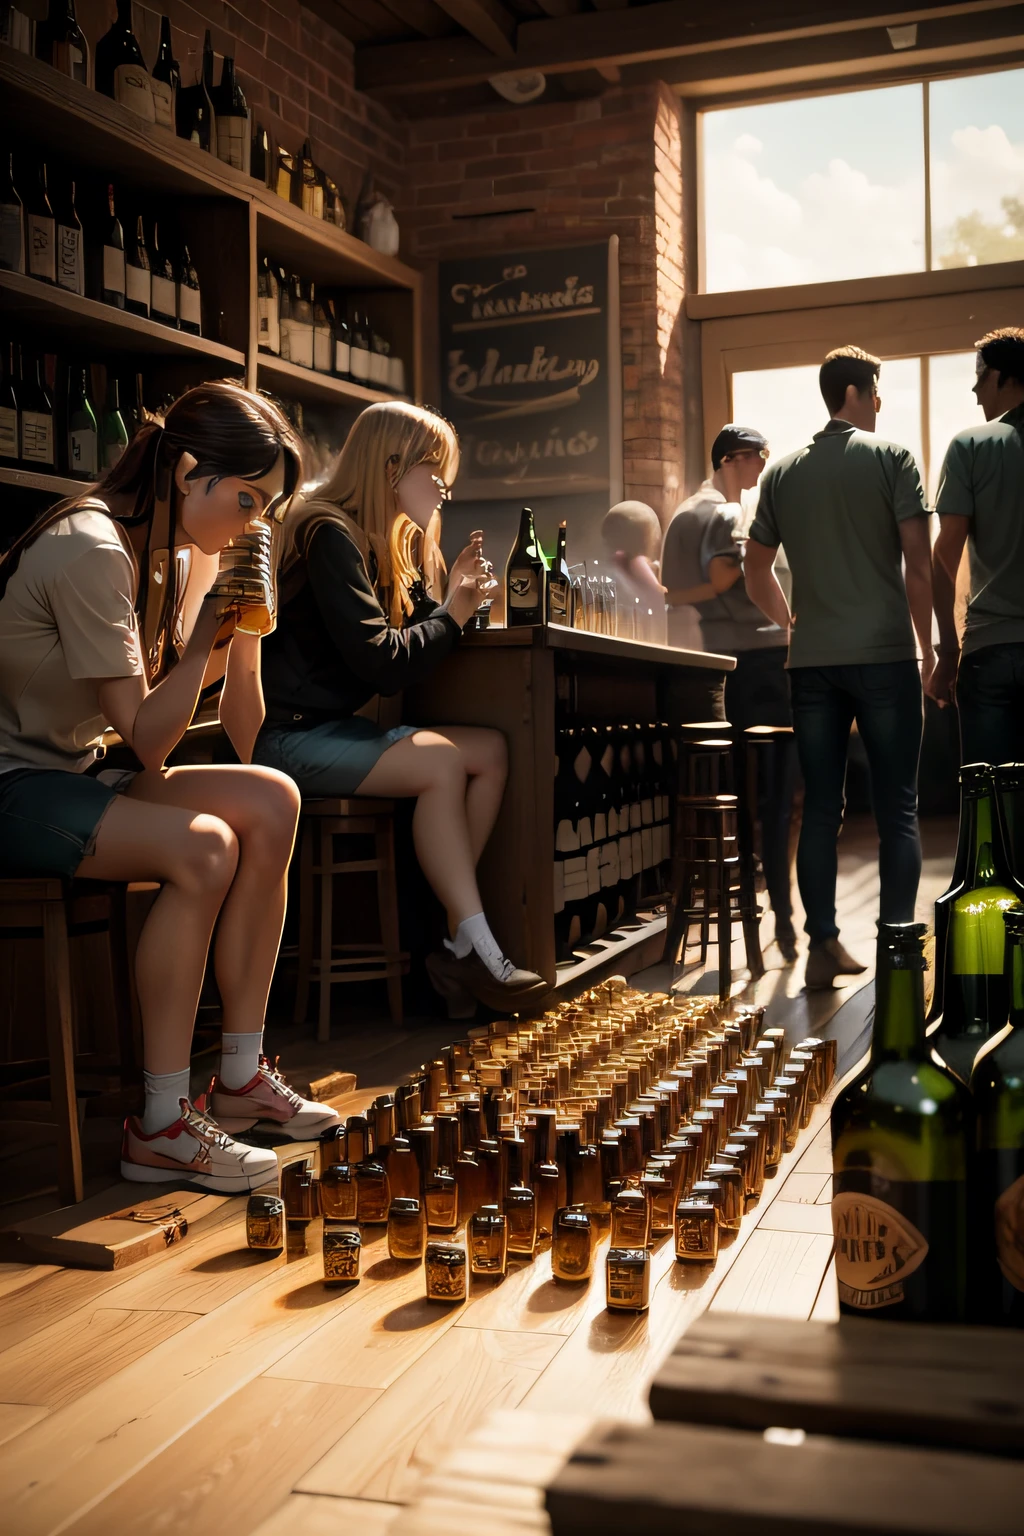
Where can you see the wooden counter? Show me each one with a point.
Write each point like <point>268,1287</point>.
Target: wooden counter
<point>527,683</point>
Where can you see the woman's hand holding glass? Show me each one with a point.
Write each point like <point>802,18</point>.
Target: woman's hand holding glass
<point>471,561</point>
<point>469,594</point>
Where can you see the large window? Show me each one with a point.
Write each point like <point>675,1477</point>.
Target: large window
<point>864,183</point>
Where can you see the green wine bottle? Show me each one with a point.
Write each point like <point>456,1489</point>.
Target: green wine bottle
<point>974,1000</point>
<point>900,1135</point>
<point>998,1086</point>
<point>971,775</point>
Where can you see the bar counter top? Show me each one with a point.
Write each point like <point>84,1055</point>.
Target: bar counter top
<point>558,637</point>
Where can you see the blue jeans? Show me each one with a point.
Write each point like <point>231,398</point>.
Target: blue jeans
<point>885,700</point>
<point>990,699</point>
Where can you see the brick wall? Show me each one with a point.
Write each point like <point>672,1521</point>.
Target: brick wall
<point>584,171</point>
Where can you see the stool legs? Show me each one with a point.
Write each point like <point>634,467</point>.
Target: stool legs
<point>387,907</point>
<point>306,888</point>
<point>61,1048</point>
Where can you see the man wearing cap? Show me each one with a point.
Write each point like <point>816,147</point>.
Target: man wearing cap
<point>849,511</point>
<point>981,504</point>
<point>702,569</point>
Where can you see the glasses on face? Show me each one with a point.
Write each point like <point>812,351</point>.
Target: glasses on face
<point>749,453</point>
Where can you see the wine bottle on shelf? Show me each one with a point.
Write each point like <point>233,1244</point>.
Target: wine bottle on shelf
<point>974,1001</point>
<point>114,276</point>
<point>525,576</point>
<point>300,346</point>
<point>323,337</point>
<point>268,293</point>
<point>12,218</point>
<point>334,208</point>
<point>208,88</point>
<point>342,343</point>
<point>70,252</point>
<point>359,351</point>
<point>113,432</point>
<point>166,80</point>
<point>37,439</point>
<point>311,182</point>
<point>284,313</point>
<point>10,408</point>
<point>900,1138</point>
<point>138,414</point>
<point>559,585</point>
<point>971,776</point>
<point>60,41</point>
<point>189,296</point>
<point>165,287</point>
<point>379,352</point>
<point>232,118</point>
<point>284,175</point>
<point>138,274</point>
<point>997,1084</point>
<point>83,429</point>
<point>396,375</point>
<point>193,112</point>
<point>120,68</point>
<point>40,230</point>
<point>260,155</point>
<point>16,28</point>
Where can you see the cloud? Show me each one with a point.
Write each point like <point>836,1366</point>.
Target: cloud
<point>973,172</point>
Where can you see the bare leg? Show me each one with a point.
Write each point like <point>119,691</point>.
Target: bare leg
<point>194,857</point>
<point>431,767</point>
<point>485,759</point>
<point>261,808</point>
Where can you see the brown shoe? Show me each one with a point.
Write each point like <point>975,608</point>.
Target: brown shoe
<point>458,979</point>
<point>827,961</point>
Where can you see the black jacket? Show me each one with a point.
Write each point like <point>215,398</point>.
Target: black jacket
<point>333,648</point>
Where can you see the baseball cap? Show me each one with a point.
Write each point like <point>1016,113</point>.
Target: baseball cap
<point>731,438</point>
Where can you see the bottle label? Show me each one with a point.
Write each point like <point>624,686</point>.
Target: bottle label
<point>359,364</point>
<point>342,357</point>
<point>378,369</point>
<point>233,141</point>
<point>190,309</point>
<point>285,331</point>
<point>522,589</point>
<point>12,252</point>
<point>396,375</point>
<point>70,60</point>
<point>134,89</point>
<point>42,253</point>
<point>263,321</point>
<point>8,432</point>
<point>877,1250</point>
<point>137,285</point>
<point>1009,1221</point>
<point>163,103</point>
<point>300,343</point>
<point>322,351</point>
<point>37,437</point>
<point>165,298</point>
<point>82,453</point>
<point>558,589</point>
<point>113,269</point>
<point>70,268</point>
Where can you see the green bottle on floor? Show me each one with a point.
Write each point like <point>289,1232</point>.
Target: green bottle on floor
<point>900,1146</point>
<point>998,1199</point>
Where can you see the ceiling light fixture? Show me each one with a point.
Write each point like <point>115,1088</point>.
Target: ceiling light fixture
<point>520,87</point>
<point>903,37</point>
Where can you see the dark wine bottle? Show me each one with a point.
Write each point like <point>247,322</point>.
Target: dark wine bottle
<point>113,279</point>
<point>10,409</point>
<point>359,348</point>
<point>574,905</point>
<point>40,230</point>
<point>559,584</point>
<point>970,775</point>
<point>312,183</point>
<point>70,252</point>
<point>83,430</point>
<point>260,155</point>
<point>232,118</point>
<point>37,439</point>
<point>120,68</point>
<point>60,41</point>
<point>138,274</point>
<point>194,109</point>
<point>166,80</point>
<point>12,218</point>
<point>997,1083</point>
<point>525,576</point>
<point>165,287</point>
<point>113,432</point>
<point>190,299</point>
<point>974,1002</point>
<point>900,1143</point>
<point>267,309</point>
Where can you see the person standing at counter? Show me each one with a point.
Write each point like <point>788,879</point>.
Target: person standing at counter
<point>360,616</point>
<point>88,642</point>
<point>849,511</point>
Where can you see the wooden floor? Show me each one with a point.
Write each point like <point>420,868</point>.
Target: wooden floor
<point>207,1392</point>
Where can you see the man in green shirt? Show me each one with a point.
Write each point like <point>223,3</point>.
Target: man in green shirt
<point>849,510</point>
<point>981,504</point>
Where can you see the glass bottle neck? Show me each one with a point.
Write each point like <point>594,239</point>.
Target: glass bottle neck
<point>899,1013</point>
<point>985,862</point>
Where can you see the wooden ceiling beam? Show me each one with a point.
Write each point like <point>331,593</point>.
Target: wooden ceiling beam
<point>640,35</point>
<point>487,22</point>
<point>421,16</point>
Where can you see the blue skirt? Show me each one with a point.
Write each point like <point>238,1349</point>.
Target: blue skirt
<point>329,759</point>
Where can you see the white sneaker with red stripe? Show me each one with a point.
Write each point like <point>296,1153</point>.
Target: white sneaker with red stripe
<point>268,1099</point>
<point>194,1153</point>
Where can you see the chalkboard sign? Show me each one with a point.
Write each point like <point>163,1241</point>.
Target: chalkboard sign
<point>529,372</point>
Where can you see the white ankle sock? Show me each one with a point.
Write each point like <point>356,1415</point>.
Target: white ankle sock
<point>164,1092</point>
<point>474,933</point>
<point>239,1058</point>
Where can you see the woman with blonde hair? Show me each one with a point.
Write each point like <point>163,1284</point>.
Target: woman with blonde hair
<point>361,614</point>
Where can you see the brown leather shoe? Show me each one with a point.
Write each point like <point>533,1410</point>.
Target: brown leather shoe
<point>826,961</point>
<point>457,980</point>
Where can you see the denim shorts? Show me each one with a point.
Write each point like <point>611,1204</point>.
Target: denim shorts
<point>332,758</point>
<point>48,820</point>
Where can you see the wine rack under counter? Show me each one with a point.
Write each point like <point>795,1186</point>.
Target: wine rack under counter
<point>44,309</point>
<point>312,388</point>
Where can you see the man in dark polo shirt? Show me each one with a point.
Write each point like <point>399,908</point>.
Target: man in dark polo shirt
<point>849,510</point>
<point>981,504</point>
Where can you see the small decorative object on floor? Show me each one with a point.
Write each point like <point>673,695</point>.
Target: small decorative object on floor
<point>264,1223</point>
<point>341,1247</point>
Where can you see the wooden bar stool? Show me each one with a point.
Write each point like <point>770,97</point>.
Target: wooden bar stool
<point>321,960</point>
<point>59,911</point>
<point>709,886</point>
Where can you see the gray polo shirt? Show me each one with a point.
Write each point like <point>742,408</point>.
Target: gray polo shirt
<point>705,527</point>
<point>983,480</point>
<point>836,506</point>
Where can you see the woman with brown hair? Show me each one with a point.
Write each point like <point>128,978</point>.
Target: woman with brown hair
<point>361,615</point>
<point>107,619</point>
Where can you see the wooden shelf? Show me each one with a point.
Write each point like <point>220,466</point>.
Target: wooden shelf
<point>321,252</point>
<point>28,480</point>
<point>313,388</point>
<point>89,323</point>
